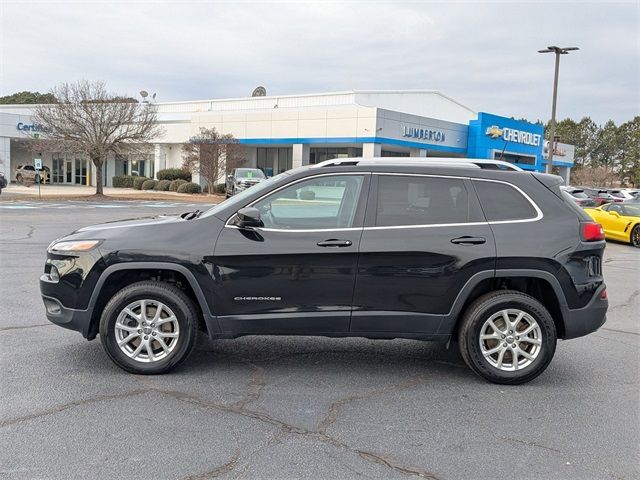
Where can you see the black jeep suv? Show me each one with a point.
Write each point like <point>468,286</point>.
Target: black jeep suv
<point>500,261</point>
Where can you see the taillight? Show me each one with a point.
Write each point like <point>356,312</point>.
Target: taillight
<point>604,295</point>
<point>591,232</point>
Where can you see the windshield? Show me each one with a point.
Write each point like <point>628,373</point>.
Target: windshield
<point>249,173</point>
<point>239,197</point>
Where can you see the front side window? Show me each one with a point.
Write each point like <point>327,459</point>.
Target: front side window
<point>416,200</point>
<point>327,202</point>
<point>502,202</point>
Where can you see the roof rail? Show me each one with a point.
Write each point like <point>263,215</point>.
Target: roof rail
<point>453,162</point>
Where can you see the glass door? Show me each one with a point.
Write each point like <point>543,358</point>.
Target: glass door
<point>69,171</point>
<point>57,172</point>
<point>80,172</point>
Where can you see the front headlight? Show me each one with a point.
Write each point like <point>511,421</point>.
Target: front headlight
<point>73,246</point>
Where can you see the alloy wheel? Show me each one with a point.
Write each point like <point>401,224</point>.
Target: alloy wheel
<point>147,330</point>
<point>510,340</point>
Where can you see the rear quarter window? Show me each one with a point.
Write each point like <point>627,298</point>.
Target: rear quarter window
<point>503,202</point>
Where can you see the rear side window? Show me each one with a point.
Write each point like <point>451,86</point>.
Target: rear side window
<point>416,200</point>
<point>502,202</point>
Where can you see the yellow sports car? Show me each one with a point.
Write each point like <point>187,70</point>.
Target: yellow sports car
<point>619,221</point>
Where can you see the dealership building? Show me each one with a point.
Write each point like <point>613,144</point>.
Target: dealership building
<point>283,132</point>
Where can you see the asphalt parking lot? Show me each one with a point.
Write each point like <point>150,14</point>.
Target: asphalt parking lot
<point>284,407</point>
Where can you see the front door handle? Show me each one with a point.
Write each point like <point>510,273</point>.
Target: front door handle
<point>332,242</point>
<point>467,240</point>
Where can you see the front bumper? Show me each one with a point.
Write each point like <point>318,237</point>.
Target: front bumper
<point>78,320</point>
<point>583,321</point>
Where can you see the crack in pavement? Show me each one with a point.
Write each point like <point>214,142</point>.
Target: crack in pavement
<point>22,327</point>
<point>529,444</point>
<point>633,295</point>
<point>254,389</point>
<point>332,413</point>
<point>72,404</point>
<point>29,235</point>
<point>218,471</point>
<point>619,331</point>
<point>292,429</point>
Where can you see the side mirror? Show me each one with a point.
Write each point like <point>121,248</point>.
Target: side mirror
<point>249,217</point>
<point>614,213</point>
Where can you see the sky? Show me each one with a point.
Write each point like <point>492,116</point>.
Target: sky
<point>483,54</point>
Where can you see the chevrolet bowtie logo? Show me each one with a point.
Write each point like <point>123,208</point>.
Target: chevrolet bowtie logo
<point>494,131</point>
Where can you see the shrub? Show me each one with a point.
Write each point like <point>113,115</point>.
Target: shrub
<point>189,187</point>
<point>163,185</point>
<point>174,174</point>
<point>149,184</point>
<point>123,181</point>
<point>138,181</point>
<point>175,184</point>
<point>221,188</point>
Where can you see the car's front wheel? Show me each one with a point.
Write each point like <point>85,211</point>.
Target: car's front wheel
<point>148,327</point>
<point>507,337</point>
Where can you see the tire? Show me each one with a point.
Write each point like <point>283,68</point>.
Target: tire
<point>19,178</point>
<point>37,178</point>
<point>500,367</point>
<point>178,335</point>
<point>634,238</point>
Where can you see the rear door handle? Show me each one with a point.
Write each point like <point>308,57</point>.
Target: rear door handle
<point>467,240</point>
<point>332,242</point>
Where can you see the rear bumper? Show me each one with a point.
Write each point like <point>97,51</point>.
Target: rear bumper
<point>78,320</point>
<point>583,321</point>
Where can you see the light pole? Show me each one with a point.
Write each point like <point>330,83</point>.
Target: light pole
<point>552,131</point>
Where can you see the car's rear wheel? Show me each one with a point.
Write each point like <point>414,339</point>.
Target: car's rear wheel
<point>19,178</point>
<point>507,337</point>
<point>148,327</point>
<point>635,236</point>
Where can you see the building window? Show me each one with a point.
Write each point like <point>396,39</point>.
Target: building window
<point>122,165</point>
<point>273,161</point>
<point>387,153</point>
<point>320,154</point>
<point>514,158</point>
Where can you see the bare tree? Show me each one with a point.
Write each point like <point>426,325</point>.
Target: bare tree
<point>593,177</point>
<point>212,155</point>
<point>86,119</point>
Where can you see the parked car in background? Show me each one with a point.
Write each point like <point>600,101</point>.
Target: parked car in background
<point>620,221</point>
<point>376,248</point>
<point>3,181</point>
<point>600,195</point>
<point>621,193</point>
<point>28,173</point>
<point>578,196</point>
<point>242,178</point>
